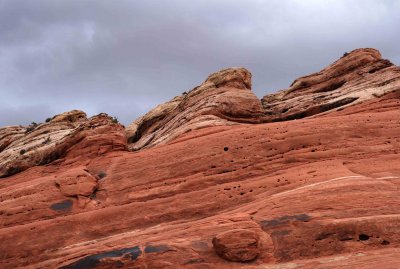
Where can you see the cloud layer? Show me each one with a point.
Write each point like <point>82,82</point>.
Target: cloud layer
<point>125,57</point>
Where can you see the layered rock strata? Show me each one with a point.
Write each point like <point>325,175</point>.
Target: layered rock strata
<point>356,77</point>
<point>225,98</point>
<point>318,192</point>
<point>70,133</point>
<point>306,199</point>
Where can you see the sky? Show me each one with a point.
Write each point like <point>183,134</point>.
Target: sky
<point>125,57</point>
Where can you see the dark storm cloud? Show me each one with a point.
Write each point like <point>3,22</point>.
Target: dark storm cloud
<point>124,57</point>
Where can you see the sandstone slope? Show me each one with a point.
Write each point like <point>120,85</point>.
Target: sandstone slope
<point>308,194</point>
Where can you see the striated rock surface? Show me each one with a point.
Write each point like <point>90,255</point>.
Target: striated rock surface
<point>319,192</point>
<point>356,77</point>
<point>70,133</point>
<point>225,98</point>
<point>313,198</point>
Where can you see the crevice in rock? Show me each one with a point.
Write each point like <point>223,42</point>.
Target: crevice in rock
<point>331,87</point>
<point>317,109</point>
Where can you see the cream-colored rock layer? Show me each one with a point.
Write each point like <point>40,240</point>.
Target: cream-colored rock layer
<point>24,147</point>
<point>356,77</point>
<point>225,98</point>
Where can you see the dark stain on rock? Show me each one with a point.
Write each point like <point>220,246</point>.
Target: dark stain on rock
<point>62,206</point>
<point>93,260</point>
<point>316,109</point>
<point>156,249</point>
<point>284,220</point>
<point>280,233</point>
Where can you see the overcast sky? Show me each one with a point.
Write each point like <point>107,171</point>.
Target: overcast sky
<point>125,57</point>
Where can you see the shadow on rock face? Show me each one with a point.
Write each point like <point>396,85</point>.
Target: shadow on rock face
<point>108,259</point>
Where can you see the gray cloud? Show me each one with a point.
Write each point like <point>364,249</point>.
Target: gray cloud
<point>125,57</point>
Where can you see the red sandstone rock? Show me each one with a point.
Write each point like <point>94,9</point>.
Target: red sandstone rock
<point>225,98</point>
<point>356,77</point>
<point>237,245</point>
<point>317,192</point>
<point>76,182</point>
<point>69,134</point>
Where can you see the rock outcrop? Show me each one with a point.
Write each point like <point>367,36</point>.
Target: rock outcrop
<point>225,98</point>
<point>70,133</point>
<point>312,198</point>
<point>318,192</point>
<point>356,77</point>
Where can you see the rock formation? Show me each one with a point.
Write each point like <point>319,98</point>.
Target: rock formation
<point>318,192</point>
<point>238,245</point>
<point>68,133</point>
<point>225,98</point>
<point>356,77</point>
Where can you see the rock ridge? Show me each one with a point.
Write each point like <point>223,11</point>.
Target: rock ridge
<point>224,98</point>
<point>70,133</point>
<point>356,77</point>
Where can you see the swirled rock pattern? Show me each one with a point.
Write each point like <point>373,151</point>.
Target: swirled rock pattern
<point>356,77</point>
<point>318,192</point>
<point>225,98</point>
<point>68,133</point>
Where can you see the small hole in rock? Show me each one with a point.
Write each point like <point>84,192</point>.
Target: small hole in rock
<point>226,148</point>
<point>363,237</point>
<point>385,242</point>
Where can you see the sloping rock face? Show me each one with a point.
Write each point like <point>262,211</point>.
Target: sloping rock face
<point>306,199</point>
<point>356,77</point>
<point>225,98</point>
<point>319,192</point>
<point>70,133</point>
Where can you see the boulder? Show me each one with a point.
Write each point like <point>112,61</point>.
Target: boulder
<point>76,182</point>
<point>238,245</point>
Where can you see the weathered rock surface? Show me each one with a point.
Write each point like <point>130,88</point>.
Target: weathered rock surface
<point>314,198</point>
<point>356,77</point>
<point>70,133</point>
<point>319,192</point>
<point>237,245</point>
<point>76,182</point>
<point>225,98</point>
